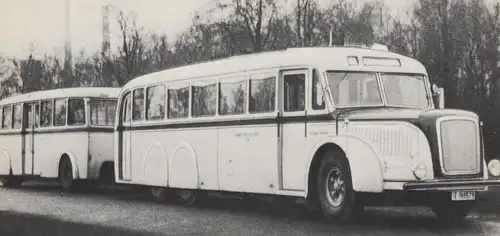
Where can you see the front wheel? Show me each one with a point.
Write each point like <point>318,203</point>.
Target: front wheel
<point>336,195</point>
<point>448,211</point>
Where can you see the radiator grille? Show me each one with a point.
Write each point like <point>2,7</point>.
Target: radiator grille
<point>459,147</point>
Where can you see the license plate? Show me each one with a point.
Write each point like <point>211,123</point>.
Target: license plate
<point>463,195</point>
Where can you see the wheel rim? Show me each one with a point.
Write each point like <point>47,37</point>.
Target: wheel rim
<point>335,187</point>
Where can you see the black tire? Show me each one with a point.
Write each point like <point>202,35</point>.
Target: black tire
<point>188,197</point>
<point>11,181</point>
<point>450,212</point>
<point>66,178</point>
<point>334,178</point>
<point>160,194</point>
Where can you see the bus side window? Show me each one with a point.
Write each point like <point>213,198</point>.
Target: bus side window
<point>18,116</point>
<point>178,103</point>
<point>60,112</point>
<point>126,106</point>
<point>37,115</point>
<point>6,117</point>
<point>232,98</point>
<point>318,100</point>
<point>203,100</point>
<point>76,111</point>
<point>262,95</point>
<point>294,92</point>
<point>46,113</point>
<point>138,105</point>
<point>155,102</point>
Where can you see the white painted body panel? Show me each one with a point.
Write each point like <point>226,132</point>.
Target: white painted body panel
<point>101,150</point>
<point>50,147</point>
<point>11,154</point>
<point>244,159</point>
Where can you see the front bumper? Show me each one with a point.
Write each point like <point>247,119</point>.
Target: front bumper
<point>451,184</point>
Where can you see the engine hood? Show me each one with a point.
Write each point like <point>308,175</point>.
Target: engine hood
<point>425,120</point>
<point>415,116</point>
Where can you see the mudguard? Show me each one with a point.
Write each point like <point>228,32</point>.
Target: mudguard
<point>366,169</point>
<point>74,164</point>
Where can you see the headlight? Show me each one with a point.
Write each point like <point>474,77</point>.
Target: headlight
<point>420,170</point>
<point>494,167</point>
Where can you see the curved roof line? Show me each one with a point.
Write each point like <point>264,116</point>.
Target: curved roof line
<point>110,92</point>
<point>334,58</point>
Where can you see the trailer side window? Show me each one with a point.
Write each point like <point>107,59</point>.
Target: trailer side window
<point>60,112</point>
<point>6,117</point>
<point>76,111</point>
<point>46,114</point>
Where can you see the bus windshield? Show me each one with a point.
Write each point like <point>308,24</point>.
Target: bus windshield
<point>351,89</point>
<point>102,112</point>
<point>405,90</point>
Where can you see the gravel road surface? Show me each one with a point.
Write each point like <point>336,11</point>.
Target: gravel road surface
<point>44,210</point>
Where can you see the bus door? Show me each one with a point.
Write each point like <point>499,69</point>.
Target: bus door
<point>125,145</point>
<point>28,139</point>
<point>293,127</point>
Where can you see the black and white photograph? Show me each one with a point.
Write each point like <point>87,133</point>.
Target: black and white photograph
<point>249,117</point>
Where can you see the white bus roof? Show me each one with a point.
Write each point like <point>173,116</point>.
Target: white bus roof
<point>324,58</point>
<point>97,92</point>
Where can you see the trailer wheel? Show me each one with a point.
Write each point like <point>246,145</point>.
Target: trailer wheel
<point>160,194</point>
<point>11,181</point>
<point>188,197</point>
<point>66,178</point>
<point>336,195</point>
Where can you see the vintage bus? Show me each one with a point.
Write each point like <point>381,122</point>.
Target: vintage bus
<point>331,125</point>
<point>64,134</point>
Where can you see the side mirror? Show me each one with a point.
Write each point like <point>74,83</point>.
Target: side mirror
<point>438,96</point>
<point>494,167</point>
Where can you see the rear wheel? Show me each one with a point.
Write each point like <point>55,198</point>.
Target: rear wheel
<point>66,178</point>
<point>187,197</point>
<point>448,211</point>
<point>160,194</point>
<point>336,195</point>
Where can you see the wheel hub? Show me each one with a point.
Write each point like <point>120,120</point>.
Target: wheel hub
<point>335,188</point>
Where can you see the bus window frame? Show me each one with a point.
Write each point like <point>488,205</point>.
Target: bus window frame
<point>51,125</point>
<point>261,75</point>
<point>88,106</point>
<point>307,80</point>
<point>210,80</point>
<point>233,79</point>
<point>20,104</point>
<point>86,115</point>
<point>9,127</point>
<point>165,102</point>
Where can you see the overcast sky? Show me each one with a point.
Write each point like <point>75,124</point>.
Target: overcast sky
<point>41,22</point>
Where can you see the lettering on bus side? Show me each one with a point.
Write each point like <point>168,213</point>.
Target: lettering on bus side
<point>319,133</point>
<point>246,134</point>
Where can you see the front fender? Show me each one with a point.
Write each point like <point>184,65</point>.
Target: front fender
<point>74,164</point>
<point>366,169</point>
